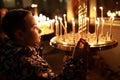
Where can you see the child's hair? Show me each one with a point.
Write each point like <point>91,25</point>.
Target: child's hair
<point>14,20</point>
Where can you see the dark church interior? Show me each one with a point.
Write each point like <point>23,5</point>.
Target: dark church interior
<point>103,62</point>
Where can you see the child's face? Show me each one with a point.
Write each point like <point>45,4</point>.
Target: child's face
<point>32,34</point>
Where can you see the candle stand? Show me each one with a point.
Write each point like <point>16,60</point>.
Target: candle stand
<point>94,60</point>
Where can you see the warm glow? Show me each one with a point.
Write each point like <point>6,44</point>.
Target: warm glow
<point>101,8</point>
<point>34,5</point>
<point>94,8</point>
<point>69,10</point>
<point>45,24</point>
<point>35,9</point>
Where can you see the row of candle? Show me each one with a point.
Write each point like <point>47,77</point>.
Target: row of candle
<point>62,24</point>
<point>100,22</point>
<point>83,21</point>
<point>42,20</point>
<point>58,22</point>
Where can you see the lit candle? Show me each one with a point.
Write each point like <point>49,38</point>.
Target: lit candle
<point>64,16</point>
<point>61,24</point>
<point>101,8</point>
<point>102,26</point>
<point>97,31</point>
<point>65,27</point>
<point>35,9</point>
<point>111,24</point>
<point>65,21</point>
<point>57,26</point>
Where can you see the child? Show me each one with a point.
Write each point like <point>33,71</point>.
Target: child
<point>20,58</point>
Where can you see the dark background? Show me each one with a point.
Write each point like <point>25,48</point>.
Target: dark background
<point>52,7</point>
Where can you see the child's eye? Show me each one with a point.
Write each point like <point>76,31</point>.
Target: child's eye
<point>34,26</point>
<point>37,29</point>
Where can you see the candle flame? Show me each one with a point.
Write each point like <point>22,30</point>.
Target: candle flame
<point>34,5</point>
<point>101,8</point>
<point>94,8</point>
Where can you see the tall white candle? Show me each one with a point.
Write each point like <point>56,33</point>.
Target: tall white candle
<point>57,26</point>
<point>101,8</point>
<point>111,24</point>
<point>64,16</point>
<point>65,27</point>
<point>97,31</point>
<point>102,19</point>
<point>61,24</point>
<point>102,28</point>
<point>65,22</point>
<point>35,9</point>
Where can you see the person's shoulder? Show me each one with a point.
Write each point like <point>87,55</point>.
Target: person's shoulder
<point>8,46</point>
